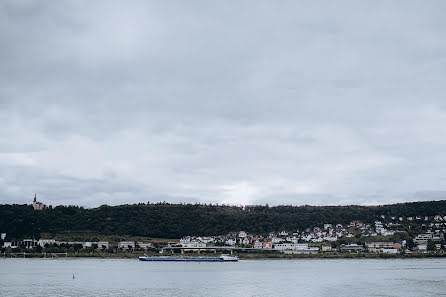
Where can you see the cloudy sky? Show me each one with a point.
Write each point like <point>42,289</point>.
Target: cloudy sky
<point>244,102</point>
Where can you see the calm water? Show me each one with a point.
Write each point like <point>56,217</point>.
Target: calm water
<point>97,277</point>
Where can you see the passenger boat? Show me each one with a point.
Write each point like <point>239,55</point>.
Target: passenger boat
<point>222,258</point>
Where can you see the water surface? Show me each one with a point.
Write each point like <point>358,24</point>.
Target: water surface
<point>312,277</point>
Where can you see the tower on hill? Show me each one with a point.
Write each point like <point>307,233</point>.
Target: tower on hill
<point>38,205</point>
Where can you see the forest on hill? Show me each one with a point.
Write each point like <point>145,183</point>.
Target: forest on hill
<point>165,220</point>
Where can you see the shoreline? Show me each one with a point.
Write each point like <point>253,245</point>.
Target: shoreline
<point>241,256</point>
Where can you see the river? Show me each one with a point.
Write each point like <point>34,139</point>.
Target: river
<point>302,277</point>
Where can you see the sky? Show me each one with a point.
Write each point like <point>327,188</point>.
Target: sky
<point>229,102</point>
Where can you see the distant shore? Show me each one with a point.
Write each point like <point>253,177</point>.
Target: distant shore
<point>242,256</point>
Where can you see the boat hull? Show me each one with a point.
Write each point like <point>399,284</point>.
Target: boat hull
<point>178,259</point>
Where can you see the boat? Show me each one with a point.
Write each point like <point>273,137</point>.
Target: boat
<point>222,258</point>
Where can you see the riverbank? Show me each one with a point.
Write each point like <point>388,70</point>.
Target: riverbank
<point>242,256</point>
<point>339,256</point>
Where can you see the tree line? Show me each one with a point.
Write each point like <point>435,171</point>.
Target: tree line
<point>165,220</point>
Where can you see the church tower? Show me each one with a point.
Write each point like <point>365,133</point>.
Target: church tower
<point>36,204</point>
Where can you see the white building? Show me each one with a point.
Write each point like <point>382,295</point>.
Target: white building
<point>145,245</point>
<point>276,240</point>
<point>437,235</point>
<point>422,247</point>
<point>126,245</point>
<point>387,232</point>
<point>230,242</point>
<point>206,239</point>
<point>284,246</point>
<point>29,243</point>
<point>438,218</point>
<point>87,244</point>
<point>185,239</point>
<point>43,242</point>
<point>9,244</point>
<point>422,238</point>
<point>38,205</point>
<point>301,246</point>
<point>308,250</point>
<point>293,239</point>
<point>257,244</point>
<point>242,234</point>
<point>318,239</point>
<point>291,246</point>
<point>327,248</point>
<point>331,238</point>
<point>194,244</point>
<point>103,245</point>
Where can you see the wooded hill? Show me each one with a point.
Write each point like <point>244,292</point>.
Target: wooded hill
<point>166,220</point>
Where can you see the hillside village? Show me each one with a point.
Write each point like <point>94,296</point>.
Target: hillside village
<point>391,235</point>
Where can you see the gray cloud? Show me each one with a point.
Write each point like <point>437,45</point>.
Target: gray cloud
<point>255,102</point>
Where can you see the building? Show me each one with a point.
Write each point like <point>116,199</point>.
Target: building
<point>257,244</point>
<point>380,246</point>
<point>230,242</point>
<point>307,250</point>
<point>327,248</point>
<point>10,244</point>
<point>77,244</point>
<point>193,244</point>
<point>87,244</point>
<point>352,248</point>
<point>103,245</point>
<point>277,239</point>
<point>38,205</point>
<point>301,246</point>
<point>293,239</point>
<point>206,239</point>
<point>43,242</point>
<point>438,218</point>
<point>29,243</point>
<point>422,238</point>
<point>284,246</point>
<point>327,226</point>
<point>242,234</point>
<point>145,245</point>
<point>437,236</point>
<point>355,224</point>
<point>267,245</point>
<point>422,247</point>
<point>126,245</point>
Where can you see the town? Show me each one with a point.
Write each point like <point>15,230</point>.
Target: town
<point>390,235</point>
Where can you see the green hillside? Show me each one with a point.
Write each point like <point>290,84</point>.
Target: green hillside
<point>165,220</point>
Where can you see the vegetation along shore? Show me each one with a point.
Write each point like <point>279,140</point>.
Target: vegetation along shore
<point>404,230</point>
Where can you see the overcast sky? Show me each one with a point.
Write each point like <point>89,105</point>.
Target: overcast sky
<point>243,102</point>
